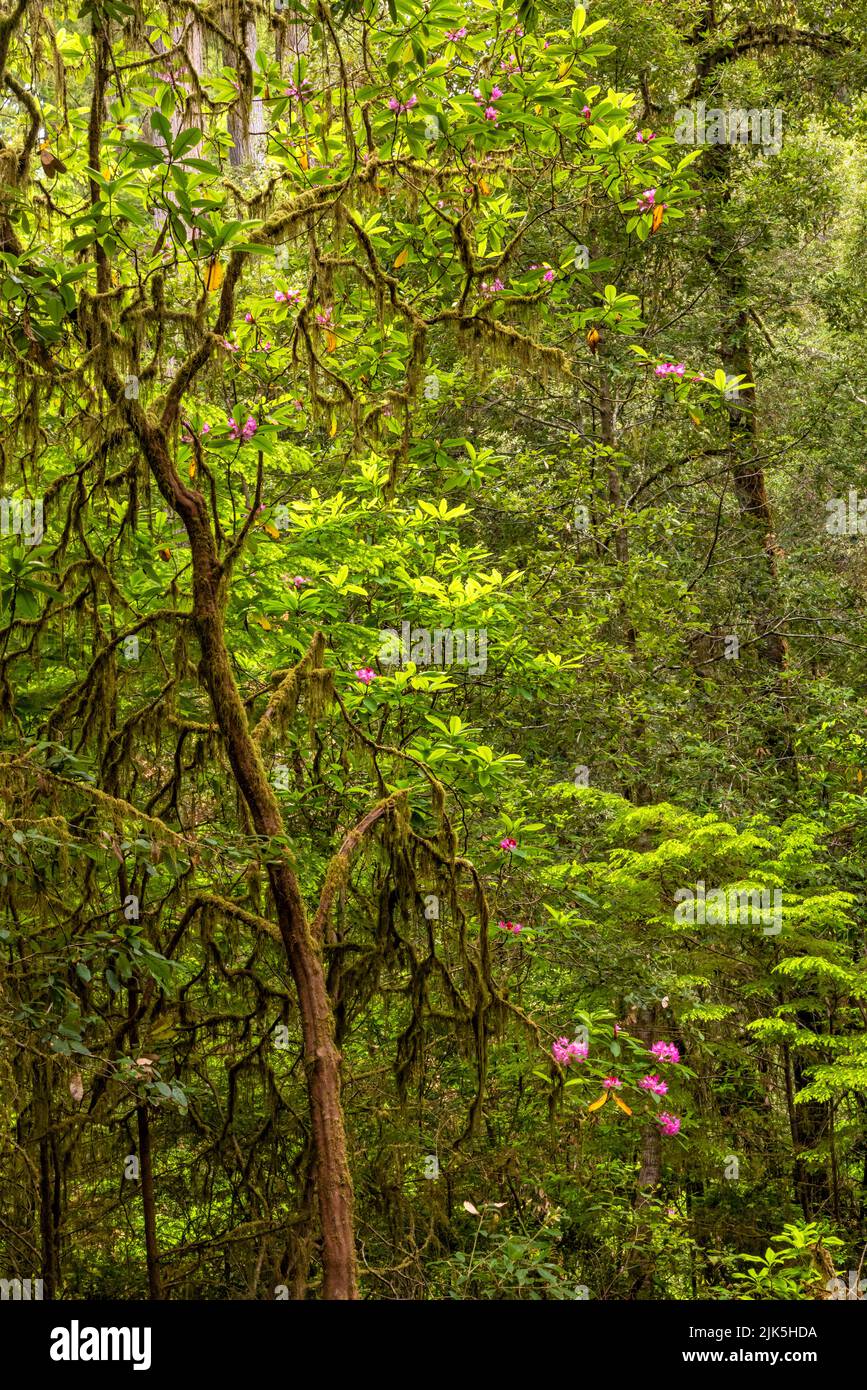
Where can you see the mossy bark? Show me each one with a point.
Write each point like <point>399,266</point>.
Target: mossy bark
<point>321,1056</point>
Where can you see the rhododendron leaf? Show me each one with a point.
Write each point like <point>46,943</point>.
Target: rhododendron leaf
<point>595,1104</point>
<point>623,1106</point>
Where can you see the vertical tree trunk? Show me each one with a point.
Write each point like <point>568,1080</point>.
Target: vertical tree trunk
<point>651,1138</point>
<point>47,1218</point>
<point>246,120</point>
<point>148,1200</point>
<point>145,1155</point>
<point>760,579</point>
<point>650,1168</point>
<point>637,788</point>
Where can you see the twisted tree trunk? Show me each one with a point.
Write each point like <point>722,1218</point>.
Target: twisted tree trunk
<point>321,1056</point>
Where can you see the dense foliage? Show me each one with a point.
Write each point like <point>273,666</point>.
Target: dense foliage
<point>431,650</point>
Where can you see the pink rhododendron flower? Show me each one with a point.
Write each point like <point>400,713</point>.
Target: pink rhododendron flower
<point>654,1085</point>
<point>324,319</point>
<point>612,1083</point>
<point>548,276</point>
<point>495,94</point>
<point>643,139</point>
<point>586,112</point>
<point>286,296</point>
<point>300,580</point>
<point>366,675</point>
<point>493,288</point>
<point>298,92</point>
<point>670,369</point>
<point>508,844</point>
<point>511,926</point>
<point>564,1051</point>
<point>244,432</point>
<point>616,1029</point>
<point>647,200</point>
<point>665,1052</point>
<point>206,428</point>
<point>491,113</point>
<point>669,1124</point>
<point>454,35</point>
<point>248,317</point>
<point>400,106</point>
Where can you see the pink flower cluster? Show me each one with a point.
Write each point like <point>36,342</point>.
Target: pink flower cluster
<point>491,112</point>
<point>665,1052</point>
<point>242,432</point>
<point>493,288</point>
<point>398,107</point>
<point>366,675</point>
<point>299,581</point>
<point>643,139</point>
<point>454,35</point>
<point>647,200</point>
<point>508,844</point>
<point>299,91</point>
<point>511,926</point>
<point>613,1083</point>
<point>654,1085</point>
<point>324,319</point>
<point>564,1051</point>
<point>669,1124</point>
<point>287,296</point>
<point>670,369</point>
